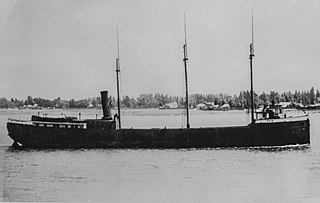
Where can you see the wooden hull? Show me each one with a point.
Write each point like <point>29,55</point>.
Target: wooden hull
<point>259,134</point>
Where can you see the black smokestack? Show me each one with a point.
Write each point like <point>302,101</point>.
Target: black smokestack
<point>105,105</point>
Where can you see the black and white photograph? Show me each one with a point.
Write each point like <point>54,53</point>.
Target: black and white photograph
<point>159,101</point>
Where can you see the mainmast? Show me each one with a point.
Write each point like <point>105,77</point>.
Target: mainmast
<point>117,74</point>
<point>185,58</point>
<point>251,73</point>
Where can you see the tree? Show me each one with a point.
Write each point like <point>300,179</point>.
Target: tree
<point>126,101</point>
<point>312,96</point>
<point>72,103</point>
<point>29,101</point>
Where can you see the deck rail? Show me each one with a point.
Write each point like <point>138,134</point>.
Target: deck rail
<point>48,124</point>
<point>20,121</point>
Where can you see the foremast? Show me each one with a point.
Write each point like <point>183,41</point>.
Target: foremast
<point>117,74</point>
<point>251,72</point>
<point>185,59</point>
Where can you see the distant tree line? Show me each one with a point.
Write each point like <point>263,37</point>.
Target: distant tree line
<point>58,103</point>
<point>240,101</point>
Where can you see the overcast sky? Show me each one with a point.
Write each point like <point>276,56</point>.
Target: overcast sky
<point>67,48</point>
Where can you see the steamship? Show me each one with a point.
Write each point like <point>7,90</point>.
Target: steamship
<point>70,132</point>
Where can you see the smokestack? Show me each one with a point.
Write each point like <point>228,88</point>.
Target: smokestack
<point>105,105</point>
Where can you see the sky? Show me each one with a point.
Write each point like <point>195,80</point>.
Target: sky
<point>67,49</point>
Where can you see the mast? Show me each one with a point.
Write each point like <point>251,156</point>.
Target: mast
<point>185,58</point>
<point>117,74</point>
<point>251,72</point>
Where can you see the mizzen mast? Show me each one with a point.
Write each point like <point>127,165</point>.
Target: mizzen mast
<point>117,74</point>
<point>251,72</point>
<point>185,58</point>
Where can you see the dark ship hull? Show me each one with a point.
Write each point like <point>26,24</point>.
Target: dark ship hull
<point>258,134</point>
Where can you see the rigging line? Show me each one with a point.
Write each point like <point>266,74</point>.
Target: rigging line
<point>185,59</point>
<point>120,77</point>
<point>118,80</point>
<point>118,65</point>
<point>185,33</point>
<point>118,47</point>
<point>181,99</point>
<point>251,72</point>
<point>252,26</point>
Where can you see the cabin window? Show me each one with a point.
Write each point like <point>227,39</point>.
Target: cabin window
<point>50,125</point>
<point>41,125</point>
<point>62,126</point>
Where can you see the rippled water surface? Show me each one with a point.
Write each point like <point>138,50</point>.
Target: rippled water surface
<point>285,174</point>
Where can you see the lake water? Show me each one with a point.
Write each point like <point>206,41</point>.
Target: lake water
<point>285,174</point>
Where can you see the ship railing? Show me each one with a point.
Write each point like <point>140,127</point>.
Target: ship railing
<point>59,124</point>
<point>48,124</point>
<point>19,121</point>
<point>287,119</point>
